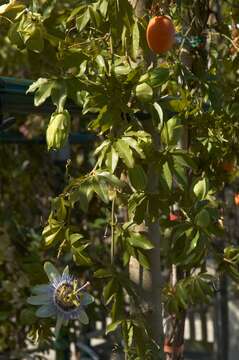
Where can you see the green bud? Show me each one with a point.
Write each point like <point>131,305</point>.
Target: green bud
<point>58,130</point>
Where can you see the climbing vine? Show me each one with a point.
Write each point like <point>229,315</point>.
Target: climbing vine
<point>94,54</point>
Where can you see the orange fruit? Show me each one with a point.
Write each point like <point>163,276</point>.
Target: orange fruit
<point>236,199</point>
<point>228,166</point>
<point>160,34</point>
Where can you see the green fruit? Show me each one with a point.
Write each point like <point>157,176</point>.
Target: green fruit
<point>58,130</point>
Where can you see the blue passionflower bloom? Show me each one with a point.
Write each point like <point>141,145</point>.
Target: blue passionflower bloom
<point>63,298</point>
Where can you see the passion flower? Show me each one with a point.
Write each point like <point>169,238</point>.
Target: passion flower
<point>63,298</point>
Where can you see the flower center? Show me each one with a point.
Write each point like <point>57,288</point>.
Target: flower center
<point>66,297</point>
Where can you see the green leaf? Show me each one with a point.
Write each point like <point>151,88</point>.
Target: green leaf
<point>37,84</point>
<point>179,105</point>
<point>134,146</point>
<point>101,190</point>
<point>159,111</point>
<point>95,15</point>
<point>125,153</point>
<point>135,201</point>
<point>110,179</point>
<point>109,290</point>
<point>83,20</point>
<point>135,40</point>
<point>158,76</point>
<point>172,131</point>
<point>100,61</point>
<point>112,159</point>
<point>180,230</point>
<point>182,295</point>
<point>47,8</point>
<point>168,175</point>
<point>43,92</point>
<point>75,11</point>
<point>79,257</point>
<point>140,241</point>
<point>144,93</point>
<point>183,158</point>
<point>202,219</point>
<point>80,196</point>
<point>201,188</point>
<point>103,273</point>
<point>103,7</point>
<point>113,326</point>
<point>35,42</point>
<point>74,239</point>
<point>104,144</point>
<point>194,242</point>
<point>142,259</point>
<point>138,178</point>
<point>51,271</point>
<point>15,37</point>
<point>27,317</point>
<point>180,176</point>
<point>52,233</point>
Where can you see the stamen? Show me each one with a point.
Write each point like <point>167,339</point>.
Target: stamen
<point>84,286</point>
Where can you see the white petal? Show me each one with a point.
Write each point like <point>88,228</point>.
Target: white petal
<point>39,299</point>
<point>83,317</point>
<point>39,289</point>
<point>51,271</point>
<point>86,299</point>
<point>46,311</point>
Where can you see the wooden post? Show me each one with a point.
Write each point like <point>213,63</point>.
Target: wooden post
<point>150,282</point>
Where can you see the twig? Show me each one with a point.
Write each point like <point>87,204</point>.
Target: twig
<point>6,18</point>
<point>186,34</point>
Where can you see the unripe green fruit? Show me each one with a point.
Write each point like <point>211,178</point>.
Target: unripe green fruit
<point>58,130</point>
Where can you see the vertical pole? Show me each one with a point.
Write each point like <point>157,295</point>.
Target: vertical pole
<point>62,344</point>
<point>149,282</point>
<point>221,320</point>
<point>221,326</point>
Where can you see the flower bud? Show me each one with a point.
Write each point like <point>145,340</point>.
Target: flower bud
<point>58,130</point>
